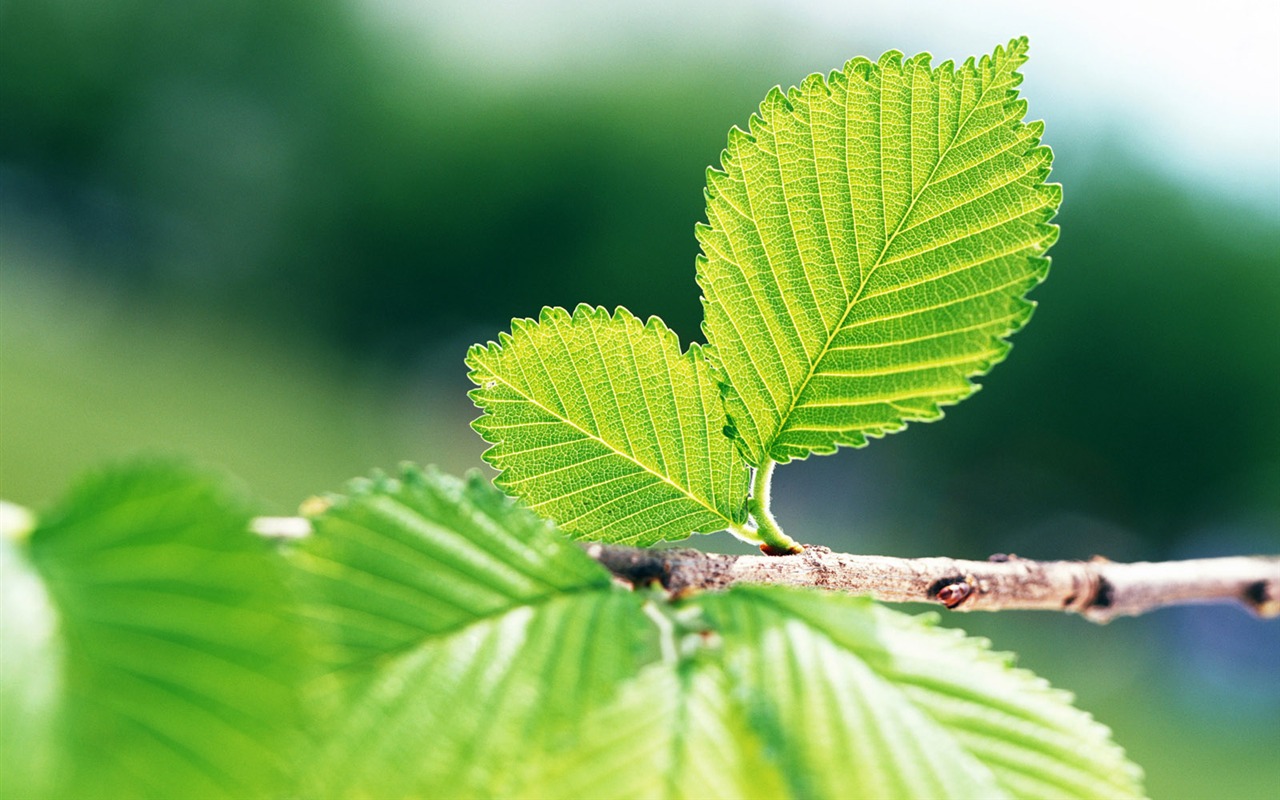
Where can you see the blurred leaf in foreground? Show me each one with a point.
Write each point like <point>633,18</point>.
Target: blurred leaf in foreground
<point>146,652</point>
<point>480,653</point>
<point>461,629</point>
<point>792,693</point>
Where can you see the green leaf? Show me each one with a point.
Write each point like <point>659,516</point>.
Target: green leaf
<point>400,560</point>
<point>497,659</point>
<point>601,424</point>
<point>156,657</point>
<point>471,630</point>
<point>677,731</point>
<point>789,693</point>
<point>868,248</point>
<point>866,702</point>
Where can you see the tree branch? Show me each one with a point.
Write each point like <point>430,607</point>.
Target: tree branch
<point>1099,589</point>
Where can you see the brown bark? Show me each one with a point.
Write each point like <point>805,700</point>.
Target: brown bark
<point>1098,589</point>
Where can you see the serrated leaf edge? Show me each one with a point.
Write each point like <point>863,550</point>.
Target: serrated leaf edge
<point>1016,54</point>
<point>583,313</point>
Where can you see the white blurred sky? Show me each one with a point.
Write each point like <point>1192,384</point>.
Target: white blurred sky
<point>1192,84</point>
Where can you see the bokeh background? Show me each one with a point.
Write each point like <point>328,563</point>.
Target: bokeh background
<point>262,234</point>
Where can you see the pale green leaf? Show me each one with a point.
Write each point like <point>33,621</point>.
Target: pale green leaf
<point>868,248</point>
<point>778,692</point>
<point>676,732</point>
<point>474,631</point>
<point>601,424</point>
<point>861,701</point>
<point>497,659</point>
<point>400,560</point>
<point>152,656</point>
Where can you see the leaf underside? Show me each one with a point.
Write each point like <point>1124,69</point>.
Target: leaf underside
<point>558,684</point>
<point>600,423</point>
<point>868,248</point>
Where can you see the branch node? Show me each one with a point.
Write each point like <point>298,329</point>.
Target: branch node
<point>953,594</point>
<point>1262,598</point>
<point>1105,593</point>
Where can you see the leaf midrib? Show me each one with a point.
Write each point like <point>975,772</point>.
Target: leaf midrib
<point>853,303</point>
<point>687,492</point>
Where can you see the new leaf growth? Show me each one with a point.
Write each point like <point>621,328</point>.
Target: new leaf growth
<point>869,244</point>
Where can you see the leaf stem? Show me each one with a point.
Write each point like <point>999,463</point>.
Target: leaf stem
<point>776,543</point>
<point>746,533</point>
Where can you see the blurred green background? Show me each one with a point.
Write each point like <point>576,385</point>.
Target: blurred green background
<point>263,233</point>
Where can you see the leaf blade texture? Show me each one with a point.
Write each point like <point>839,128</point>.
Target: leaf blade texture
<point>674,732</point>
<point>172,662</point>
<point>462,628</point>
<point>868,246</point>
<point>906,708</point>
<point>779,692</point>
<point>601,424</point>
<point>569,686</point>
<point>423,554</point>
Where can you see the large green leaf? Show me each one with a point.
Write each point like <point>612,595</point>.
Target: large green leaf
<point>152,656</point>
<point>494,658</point>
<point>602,424</point>
<point>868,247</point>
<point>464,630</point>
<point>789,693</point>
<point>905,708</point>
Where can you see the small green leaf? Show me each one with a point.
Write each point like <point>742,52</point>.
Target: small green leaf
<point>868,248</point>
<point>464,630</point>
<point>601,424</point>
<point>157,657</point>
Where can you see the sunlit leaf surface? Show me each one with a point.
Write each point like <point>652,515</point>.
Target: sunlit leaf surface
<point>156,657</point>
<point>463,631</point>
<point>600,423</point>
<point>863,701</point>
<point>485,655</point>
<point>787,693</point>
<point>868,247</point>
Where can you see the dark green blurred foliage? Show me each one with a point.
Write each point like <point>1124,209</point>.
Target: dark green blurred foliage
<point>283,165</point>
<point>278,160</point>
<point>1143,392</point>
<point>170,141</point>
